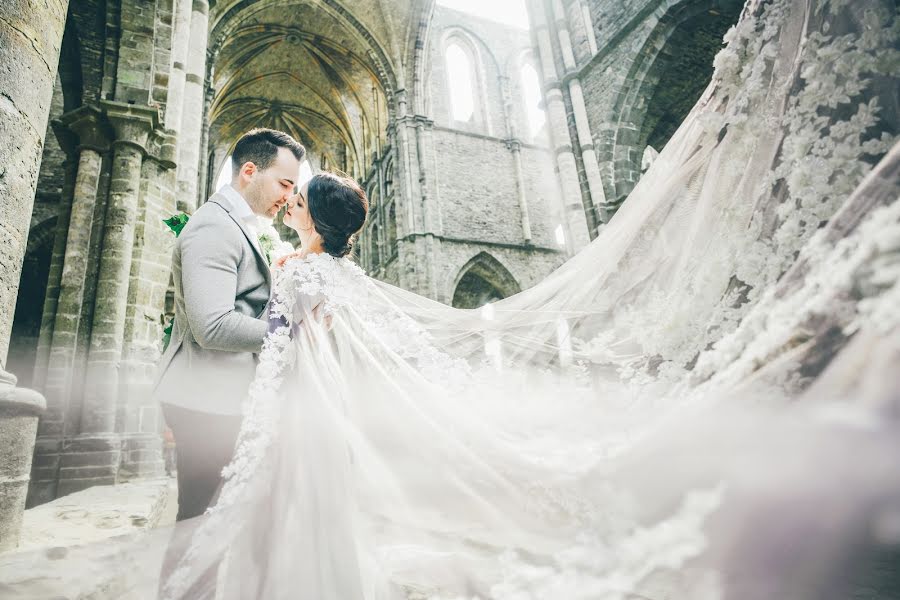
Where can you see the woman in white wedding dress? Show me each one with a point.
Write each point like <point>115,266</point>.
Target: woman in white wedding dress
<point>698,405</point>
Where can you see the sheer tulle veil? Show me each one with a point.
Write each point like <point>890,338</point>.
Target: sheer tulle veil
<point>700,404</point>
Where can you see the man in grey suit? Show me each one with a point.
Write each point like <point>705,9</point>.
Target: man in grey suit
<point>222,286</point>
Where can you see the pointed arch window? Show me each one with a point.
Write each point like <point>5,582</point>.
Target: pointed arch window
<point>461,77</point>
<point>531,95</point>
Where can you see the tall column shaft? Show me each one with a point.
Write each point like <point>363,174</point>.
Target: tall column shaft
<point>92,458</point>
<point>562,32</point>
<point>181,37</point>
<point>66,318</point>
<point>30,39</point>
<point>57,257</point>
<point>589,27</point>
<point>107,333</point>
<point>588,156</point>
<point>575,219</point>
<point>192,111</point>
<point>71,292</point>
<point>523,198</point>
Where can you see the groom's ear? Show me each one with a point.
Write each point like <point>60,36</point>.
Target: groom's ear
<point>248,169</point>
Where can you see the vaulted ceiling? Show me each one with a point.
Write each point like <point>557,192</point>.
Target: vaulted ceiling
<point>326,71</point>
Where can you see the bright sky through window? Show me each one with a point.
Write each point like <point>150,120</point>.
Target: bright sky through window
<point>508,12</point>
<point>560,235</point>
<point>224,173</point>
<point>459,74</point>
<point>531,91</point>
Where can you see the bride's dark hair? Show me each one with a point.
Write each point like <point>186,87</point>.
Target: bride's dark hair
<point>338,208</point>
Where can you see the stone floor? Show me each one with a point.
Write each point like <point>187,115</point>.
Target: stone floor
<point>100,512</point>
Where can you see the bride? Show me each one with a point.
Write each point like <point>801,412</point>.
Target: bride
<point>698,405</point>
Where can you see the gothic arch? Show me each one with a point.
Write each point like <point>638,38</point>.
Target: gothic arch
<point>656,95</point>
<point>69,71</point>
<point>481,280</point>
<point>237,14</point>
<point>313,71</point>
<point>480,59</point>
<point>30,301</point>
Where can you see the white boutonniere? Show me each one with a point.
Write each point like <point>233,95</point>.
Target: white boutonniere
<point>270,242</point>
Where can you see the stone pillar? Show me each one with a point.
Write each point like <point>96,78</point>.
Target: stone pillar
<point>589,27</point>
<point>562,33</point>
<point>181,36</point>
<point>576,97</point>
<point>88,124</point>
<point>19,412</point>
<point>588,156</point>
<point>192,110</point>
<point>30,38</point>
<point>575,224</point>
<point>430,209</point>
<point>68,142</point>
<point>92,458</point>
<point>139,414</point>
<point>516,148</point>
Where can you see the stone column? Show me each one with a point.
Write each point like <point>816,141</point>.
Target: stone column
<point>430,208</point>
<point>181,36</point>
<point>515,148</point>
<point>582,126</point>
<point>575,224</point>
<point>192,111</point>
<point>588,156</point>
<point>589,27</point>
<point>88,124</point>
<point>30,38</point>
<point>92,458</point>
<point>68,142</point>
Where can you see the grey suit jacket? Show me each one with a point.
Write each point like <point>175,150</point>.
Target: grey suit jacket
<point>222,287</point>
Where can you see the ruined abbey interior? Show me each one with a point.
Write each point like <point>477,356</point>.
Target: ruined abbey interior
<point>490,152</point>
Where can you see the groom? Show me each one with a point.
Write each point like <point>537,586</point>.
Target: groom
<point>222,286</point>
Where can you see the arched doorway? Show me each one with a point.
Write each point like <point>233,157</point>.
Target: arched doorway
<point>481,281</point>
<point>673,67</point>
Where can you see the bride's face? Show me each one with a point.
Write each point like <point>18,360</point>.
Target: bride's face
<point>297,216</point>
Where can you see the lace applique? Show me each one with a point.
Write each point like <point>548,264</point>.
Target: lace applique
<point>336,281</point>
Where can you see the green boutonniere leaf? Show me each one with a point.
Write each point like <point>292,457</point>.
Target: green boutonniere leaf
<point>177,222</point>
<point>167,334</point>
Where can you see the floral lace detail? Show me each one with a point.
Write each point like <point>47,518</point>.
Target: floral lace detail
<point>831,139</point>
<point>617,564</point>
<point>337,281</point>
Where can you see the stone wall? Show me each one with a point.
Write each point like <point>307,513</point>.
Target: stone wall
<point>490,184</point>
<point>107,179</point>
<point>654,60</point>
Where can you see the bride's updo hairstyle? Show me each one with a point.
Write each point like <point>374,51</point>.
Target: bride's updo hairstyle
<point>338,208</point>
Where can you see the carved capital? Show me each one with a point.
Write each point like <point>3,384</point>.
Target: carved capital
<point>162,147</point>
<point>132,124</point>
<point>89,126</point>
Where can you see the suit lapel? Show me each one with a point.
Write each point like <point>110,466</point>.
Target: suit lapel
<point>225,203</point>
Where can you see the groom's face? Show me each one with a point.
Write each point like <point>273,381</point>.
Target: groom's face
<point>268,190</point>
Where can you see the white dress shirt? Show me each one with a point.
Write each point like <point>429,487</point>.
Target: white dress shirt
<point>242,211</point>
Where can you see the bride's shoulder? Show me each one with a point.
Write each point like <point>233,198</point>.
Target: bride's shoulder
<point>315,273</point>
<point>319,264</point>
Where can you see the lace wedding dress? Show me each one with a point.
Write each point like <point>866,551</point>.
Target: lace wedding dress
<point>701,404</point>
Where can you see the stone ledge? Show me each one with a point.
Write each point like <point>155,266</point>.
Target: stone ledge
<point>99,512</point>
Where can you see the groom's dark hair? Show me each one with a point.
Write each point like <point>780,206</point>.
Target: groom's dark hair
<point>260,146</point>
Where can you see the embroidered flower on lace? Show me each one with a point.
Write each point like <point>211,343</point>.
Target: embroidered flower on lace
<point>831,139</point>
